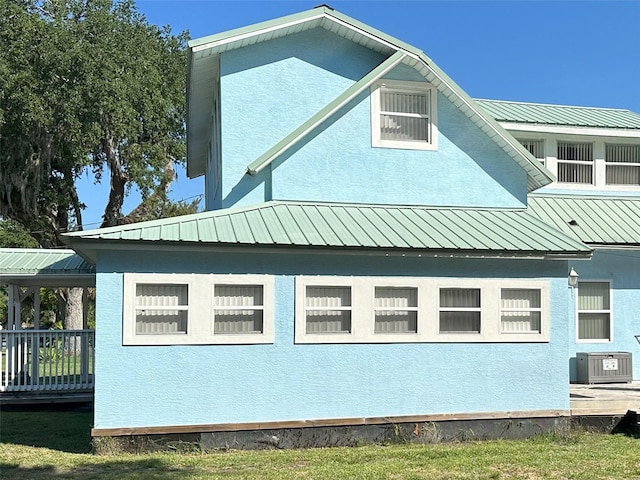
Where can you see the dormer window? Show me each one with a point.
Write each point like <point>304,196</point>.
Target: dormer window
<point>535,147</point>
<point>403,115</point>
<point>575,162</point>
<point>622,164</point>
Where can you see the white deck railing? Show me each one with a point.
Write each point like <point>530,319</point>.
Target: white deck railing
<point>47,360</point>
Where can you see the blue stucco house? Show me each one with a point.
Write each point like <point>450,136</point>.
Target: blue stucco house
<point>368,255</point>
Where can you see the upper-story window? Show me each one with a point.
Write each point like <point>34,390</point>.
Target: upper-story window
<point>535,147</point>
<point>575,162</point>
<point>622,164</point>
<point>403,115</point>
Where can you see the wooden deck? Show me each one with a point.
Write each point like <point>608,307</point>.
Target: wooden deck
<point>604,399</point>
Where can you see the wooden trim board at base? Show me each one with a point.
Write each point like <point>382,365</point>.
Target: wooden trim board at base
<point>332,422</point>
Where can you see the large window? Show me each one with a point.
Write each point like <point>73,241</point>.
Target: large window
<point>403,115</point>
<point>622,164</point>
<point>594,311</point>
<point>175,309</point>
<point>575,162</point>
<point>415,309</point>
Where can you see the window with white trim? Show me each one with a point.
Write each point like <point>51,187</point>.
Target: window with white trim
<point>535,148</point>
<point>395,310</point>
<point>622,164</point>
<point>403,115</point>
<point>328,309</point>
<point>238,309</point>
<point>460,310</point>
<point>334,309</point>
<point>594,311</point>
<point>203,309</point>
<point>575,162</point>
<point>520,310</point>
<point>161,309</point>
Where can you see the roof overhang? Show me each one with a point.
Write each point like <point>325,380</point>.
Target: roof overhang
<point>570,130</point>
<point>49,280</point>
<point>344,229</point>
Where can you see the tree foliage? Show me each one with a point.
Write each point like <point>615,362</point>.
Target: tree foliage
<point>85,84</point>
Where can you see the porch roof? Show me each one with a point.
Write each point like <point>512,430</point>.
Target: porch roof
<point>45,267</point>
<point>376,229</point>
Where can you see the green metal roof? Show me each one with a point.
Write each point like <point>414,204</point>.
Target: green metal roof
<point>61,267</point>
<point>455,231</point>
<point>594,220</point>
<point>561,115</point>
<point>202,69</point>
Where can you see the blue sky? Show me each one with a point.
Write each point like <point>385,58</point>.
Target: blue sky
<point>562,52</point>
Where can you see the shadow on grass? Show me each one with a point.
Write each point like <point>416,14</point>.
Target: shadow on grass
<point>66,428</point>
<point>117,469</point>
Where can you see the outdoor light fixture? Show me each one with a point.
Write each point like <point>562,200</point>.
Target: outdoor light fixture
<point>573,278</point>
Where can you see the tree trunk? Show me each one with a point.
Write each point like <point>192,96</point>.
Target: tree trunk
<point>73,319</point>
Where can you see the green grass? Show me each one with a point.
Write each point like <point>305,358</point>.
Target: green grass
<point>55,444</point>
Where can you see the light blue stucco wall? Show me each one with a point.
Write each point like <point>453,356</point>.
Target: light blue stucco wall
<point>188,385</point>
<point>622,268</point>
<point>269,89</point>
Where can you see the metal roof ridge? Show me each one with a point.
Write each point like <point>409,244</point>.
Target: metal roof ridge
<point>520,102</point>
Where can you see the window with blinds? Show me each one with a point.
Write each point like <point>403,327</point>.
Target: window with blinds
<point>197,309</point>
<point>460,310</point>
<point>535,148</point>
<point>575,162</point>
<point>403,115</point>
<point>238,309</point>
<point>594,311</point>
<point>328,309</point>
<point>161,309</point>
<point>622,164</point>
<point>396,310</point>
<point>520,310</point>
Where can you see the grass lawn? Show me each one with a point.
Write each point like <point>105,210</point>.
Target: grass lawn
<point>38,444</point>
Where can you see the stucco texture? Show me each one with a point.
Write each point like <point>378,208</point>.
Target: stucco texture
<point>208,384</point>
<point>269,89</point>
<point>622,269</point>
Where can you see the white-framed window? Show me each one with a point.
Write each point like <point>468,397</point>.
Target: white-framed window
<point>460,310</point>
<point>520,310</point>
<point>535,148</point>
<point>622,164</point>
<point>202,309</point>
<point>327,309</point>
<point>403,115</point>
<point>161,309</point>
<point>575,162</point>
<point>594,311</point>
<point>395,310</point>
<point>238,309</point>
<point>417,309</point>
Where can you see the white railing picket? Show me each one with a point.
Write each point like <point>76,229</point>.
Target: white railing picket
<point>47,360</point>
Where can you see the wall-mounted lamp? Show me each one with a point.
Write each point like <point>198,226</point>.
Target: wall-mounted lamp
<point>573,278</point>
